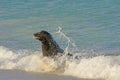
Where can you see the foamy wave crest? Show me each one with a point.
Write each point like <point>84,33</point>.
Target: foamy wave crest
<point>104,67</point>
<point>26,60</point>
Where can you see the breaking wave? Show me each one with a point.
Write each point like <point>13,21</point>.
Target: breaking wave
<point>96,67</point>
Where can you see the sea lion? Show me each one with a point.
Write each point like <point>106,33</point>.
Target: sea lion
<point>49,46</point>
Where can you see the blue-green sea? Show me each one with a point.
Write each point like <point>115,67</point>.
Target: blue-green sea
<point>93,26</point>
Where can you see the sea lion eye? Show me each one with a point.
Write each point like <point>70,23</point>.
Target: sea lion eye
<point>39,33</point>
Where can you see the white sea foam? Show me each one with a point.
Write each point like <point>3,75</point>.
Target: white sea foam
<point>105,67</point>
<point>97,67</point>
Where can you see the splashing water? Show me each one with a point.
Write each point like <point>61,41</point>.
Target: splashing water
<point>69,42</point>
<point>97,67</point>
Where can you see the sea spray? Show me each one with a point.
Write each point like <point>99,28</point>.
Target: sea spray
<point>70,43</point>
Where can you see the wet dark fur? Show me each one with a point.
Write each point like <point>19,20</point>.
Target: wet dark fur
<point>49,47</point>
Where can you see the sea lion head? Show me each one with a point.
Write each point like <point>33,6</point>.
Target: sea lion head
<point>43,36</point>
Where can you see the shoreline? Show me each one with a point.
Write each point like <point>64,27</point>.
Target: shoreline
<point>22,75</point>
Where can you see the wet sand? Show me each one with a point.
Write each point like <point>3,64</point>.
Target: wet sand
<point>22,75</point>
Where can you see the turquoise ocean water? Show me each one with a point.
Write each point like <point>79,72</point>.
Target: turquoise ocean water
<point>93,25</point>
